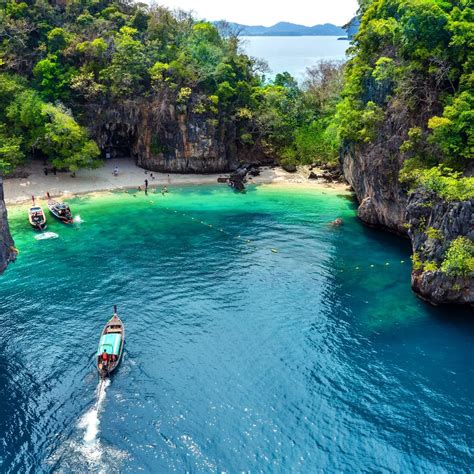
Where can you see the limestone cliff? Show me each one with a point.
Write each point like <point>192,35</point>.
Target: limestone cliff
<point>373,174</point>
<point>373,171</point>
<point>6,241</point>
<point>426,212</point>
<point>165,137</point>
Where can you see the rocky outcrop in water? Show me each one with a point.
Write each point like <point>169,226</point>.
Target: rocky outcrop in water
<point>373,171</point>
<point>6,241</point>
<point>433,225</point>
<point>373,174</point>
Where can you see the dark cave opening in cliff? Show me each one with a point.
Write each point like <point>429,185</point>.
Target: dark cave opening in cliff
<point>119,142</point>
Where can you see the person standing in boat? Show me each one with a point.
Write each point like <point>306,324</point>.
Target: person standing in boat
<point>105,359</point>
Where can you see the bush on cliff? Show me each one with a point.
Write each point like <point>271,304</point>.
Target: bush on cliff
<point>448,184</point>
<point>459,259</point>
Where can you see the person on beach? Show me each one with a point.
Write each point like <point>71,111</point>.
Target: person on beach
<point>45,171</point>
<point>146,186</point>
<point>116,171</point>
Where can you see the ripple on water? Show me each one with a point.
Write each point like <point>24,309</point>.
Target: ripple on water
<point>237,358</point>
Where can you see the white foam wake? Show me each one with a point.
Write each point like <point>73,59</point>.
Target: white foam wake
<point>87,454</point>
<point>90,423</point>
<point>77,219</point>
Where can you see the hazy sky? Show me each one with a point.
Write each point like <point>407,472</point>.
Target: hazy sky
<point>269,12</point>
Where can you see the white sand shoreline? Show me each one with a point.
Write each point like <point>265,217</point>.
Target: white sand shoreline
<point>20,190</point>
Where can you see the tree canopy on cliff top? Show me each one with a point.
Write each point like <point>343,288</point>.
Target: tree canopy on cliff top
<point>67,54</point>
<point>414,58</point>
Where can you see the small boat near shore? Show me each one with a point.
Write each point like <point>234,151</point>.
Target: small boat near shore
<point>60,210</point>
<point>111,344</point>
<point>36,216</point>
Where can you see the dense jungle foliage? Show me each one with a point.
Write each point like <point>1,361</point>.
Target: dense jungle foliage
<point>56,55</point>
<point>413,60</point>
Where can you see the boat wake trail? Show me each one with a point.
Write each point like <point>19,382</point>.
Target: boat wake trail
<point>77,219</point>
<point>90,421</point>
<point>85,452</point>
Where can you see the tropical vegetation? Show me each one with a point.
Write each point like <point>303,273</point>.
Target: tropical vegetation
<point>58,57</point>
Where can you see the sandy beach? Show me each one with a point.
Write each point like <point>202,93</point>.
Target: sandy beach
<point>19,190</point>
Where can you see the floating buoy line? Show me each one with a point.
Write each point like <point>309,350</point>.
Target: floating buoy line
<point>372,266</point>
<point>216,229</point>
<point>272,250</point>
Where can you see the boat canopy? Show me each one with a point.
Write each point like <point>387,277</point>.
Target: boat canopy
<point>110,343</point>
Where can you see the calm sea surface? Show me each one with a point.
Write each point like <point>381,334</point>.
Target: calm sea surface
<point>294,53</point>
<point>315,356</point>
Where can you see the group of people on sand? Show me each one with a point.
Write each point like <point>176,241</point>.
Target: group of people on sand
<point>164,189</point>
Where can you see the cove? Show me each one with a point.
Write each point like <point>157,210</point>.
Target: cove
<point>315,357</point>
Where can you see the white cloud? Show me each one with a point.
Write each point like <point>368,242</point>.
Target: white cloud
<point>269,12</point>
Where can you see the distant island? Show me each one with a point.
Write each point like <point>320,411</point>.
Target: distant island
<point>287,29</point>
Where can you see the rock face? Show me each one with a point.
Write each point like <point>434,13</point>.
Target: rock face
<point>168,138</point>
<point>383,203</point>
<point>6,241</point>
<point>374,177</point>
<point>425,211</point>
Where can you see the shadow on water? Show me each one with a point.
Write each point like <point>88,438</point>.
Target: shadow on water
<point>451,315</point>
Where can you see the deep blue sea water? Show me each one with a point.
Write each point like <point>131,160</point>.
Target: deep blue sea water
<point>313,357</point>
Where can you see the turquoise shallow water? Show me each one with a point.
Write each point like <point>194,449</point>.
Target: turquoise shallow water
<point>237,358</point>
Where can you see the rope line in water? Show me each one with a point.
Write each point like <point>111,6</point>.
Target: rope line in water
<point>273,250</point>
<point>217,229</point>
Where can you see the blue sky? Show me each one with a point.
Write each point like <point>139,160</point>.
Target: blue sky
<point>269,12</point>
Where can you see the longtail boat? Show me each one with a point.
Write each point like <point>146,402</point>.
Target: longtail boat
<point>60,210</point>
<point>111,344</point>
<point>36,216</point>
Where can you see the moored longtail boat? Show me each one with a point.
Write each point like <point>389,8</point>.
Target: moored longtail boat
<point>111,343</point>
<point>60,210</point>
<point>36,216</point>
